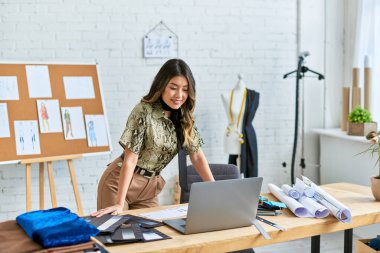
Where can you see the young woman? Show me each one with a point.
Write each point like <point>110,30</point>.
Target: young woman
<point>150,141</point>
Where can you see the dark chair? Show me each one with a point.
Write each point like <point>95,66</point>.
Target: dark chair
<point>220,172</point>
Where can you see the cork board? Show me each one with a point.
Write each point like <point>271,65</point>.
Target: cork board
<point>25,108</point>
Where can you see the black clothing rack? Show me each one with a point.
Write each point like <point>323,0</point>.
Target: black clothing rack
<point>300,73</point>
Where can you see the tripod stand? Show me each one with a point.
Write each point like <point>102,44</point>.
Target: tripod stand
<point>300,73</point>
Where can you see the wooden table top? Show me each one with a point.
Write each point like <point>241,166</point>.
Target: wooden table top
<point>364,210</point>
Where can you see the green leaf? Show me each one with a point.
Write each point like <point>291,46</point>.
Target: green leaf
<point>360,115</point>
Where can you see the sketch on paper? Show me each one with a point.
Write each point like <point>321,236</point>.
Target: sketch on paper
<point>79,87</point>
<point>27,138</point>
<point>73,124</point>
<point>97,134</point>
<point>49,116</point>
<point>4,121</point>
<point>159,46</point>
<point>38,81</point>
<point>9,88</point>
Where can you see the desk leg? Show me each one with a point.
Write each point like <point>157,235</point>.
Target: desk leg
<point>348,240</point>
<point>315,244</point>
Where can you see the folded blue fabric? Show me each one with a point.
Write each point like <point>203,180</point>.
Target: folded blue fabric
<point>56,227</point>
<point>374,244</point>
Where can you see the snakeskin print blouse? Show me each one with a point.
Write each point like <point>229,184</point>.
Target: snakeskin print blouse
<point>151,135</point>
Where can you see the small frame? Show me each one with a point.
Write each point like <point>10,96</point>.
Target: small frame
<point>160,42</point>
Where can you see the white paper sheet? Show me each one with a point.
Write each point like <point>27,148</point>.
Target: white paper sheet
<point>4,121</point>
<point>73,123</point>
<point>151,236</point>
<point>170,213</point>
<point>49,116</point>
<point>79,87</point>
<point>96,130</point>
<point>27,138</point>
<point>8,88</point>
<point>38,81</point>
<point>297,208</point>
<point>340,211</point>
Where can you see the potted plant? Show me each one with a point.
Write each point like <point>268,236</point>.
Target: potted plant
<point>360,122</point>
<point>374,149</point>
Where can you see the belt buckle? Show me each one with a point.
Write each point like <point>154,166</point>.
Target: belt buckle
<point>143,171</point>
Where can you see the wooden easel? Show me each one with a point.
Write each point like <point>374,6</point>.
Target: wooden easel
<point>49,161</point>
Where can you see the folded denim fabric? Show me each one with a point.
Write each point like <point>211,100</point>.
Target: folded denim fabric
<point>56,227</point>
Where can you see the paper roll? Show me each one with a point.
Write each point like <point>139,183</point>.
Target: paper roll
<point>355,77</point>
<point>345,107</point>
<point>296,207</point>
<point>356,97</point>
<point>290,191</point>
<point>340,211</point>
<point>367,88</point>
<point>309,192</point>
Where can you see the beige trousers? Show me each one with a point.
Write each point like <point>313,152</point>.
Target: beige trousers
<point>142,192</point>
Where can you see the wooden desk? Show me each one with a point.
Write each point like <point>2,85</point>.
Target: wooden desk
<point>364,210</point>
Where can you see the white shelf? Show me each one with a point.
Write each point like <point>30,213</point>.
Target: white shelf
<point>338,133</point>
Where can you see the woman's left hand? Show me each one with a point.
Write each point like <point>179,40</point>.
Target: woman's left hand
<point>114,210</point>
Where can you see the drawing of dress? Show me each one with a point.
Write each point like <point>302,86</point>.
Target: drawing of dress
<point>68,123</point>
<point>21,140</point>
<point>33,137</point>
<point>91,133</point>
<point>44,117</point>
<point>21,133</point>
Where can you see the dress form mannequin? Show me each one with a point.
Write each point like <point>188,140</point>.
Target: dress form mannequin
<point>234,104</point>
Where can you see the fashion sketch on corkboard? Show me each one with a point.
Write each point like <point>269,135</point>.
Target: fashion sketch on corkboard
<point>96,131</point>
<point>73,123</point>
<point>27,138</point>
<point>49,116</point>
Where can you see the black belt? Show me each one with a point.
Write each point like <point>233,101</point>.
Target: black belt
<point>146,173</point>
<point>143,172</point>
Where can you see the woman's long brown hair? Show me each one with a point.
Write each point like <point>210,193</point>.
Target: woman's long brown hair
<point>173,68</point>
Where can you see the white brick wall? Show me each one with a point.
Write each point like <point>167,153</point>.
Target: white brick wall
<point>217,38</point>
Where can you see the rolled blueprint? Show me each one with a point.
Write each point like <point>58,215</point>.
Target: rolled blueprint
<point>290,191</point>
<point>294,206</point>
<point>314,207</point>
<point>299,186</point>
<point>340,211</point>
<point>309,192</point>
<point>304,189</point>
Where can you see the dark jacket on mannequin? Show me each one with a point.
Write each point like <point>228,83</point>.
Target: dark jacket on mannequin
<point>249,154</point>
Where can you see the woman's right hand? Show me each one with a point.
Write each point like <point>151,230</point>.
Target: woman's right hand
<point>114,210</point>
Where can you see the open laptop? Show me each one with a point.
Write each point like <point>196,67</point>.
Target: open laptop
<point>220,205</point>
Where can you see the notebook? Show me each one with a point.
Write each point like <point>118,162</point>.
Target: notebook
<point>219,205</point>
